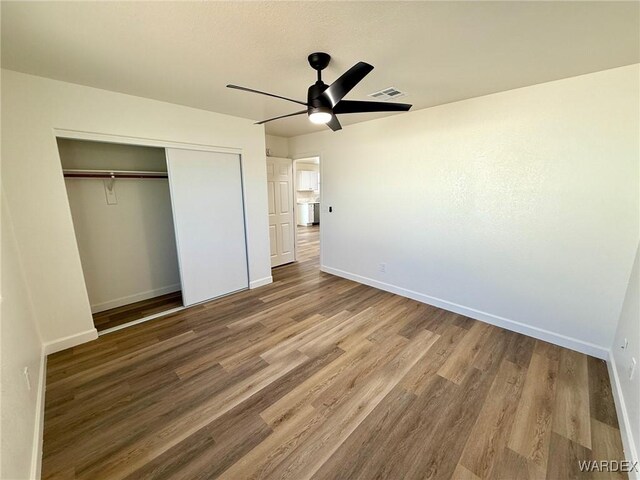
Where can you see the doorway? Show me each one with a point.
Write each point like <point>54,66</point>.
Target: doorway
<point>308,211</point>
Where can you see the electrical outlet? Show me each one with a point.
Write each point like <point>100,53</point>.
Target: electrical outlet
<point>382,268</point>
<point>632,368</point>
<point>625,344</point>
<point>27,377</point>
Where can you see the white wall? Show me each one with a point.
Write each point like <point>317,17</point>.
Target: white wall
<point>518,208</point>
<point>20,347</point>
<point>629,390</point>
<point>32,107</point>
<point>128,250</point>
<point>277,146</point>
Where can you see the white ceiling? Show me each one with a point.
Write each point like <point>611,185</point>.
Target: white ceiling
<point>438,52</point>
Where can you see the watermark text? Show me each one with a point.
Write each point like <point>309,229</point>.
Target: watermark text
<point>607,466</point>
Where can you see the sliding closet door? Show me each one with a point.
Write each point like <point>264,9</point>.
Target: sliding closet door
<point>208,212</point>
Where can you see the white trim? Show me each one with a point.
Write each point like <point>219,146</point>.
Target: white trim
<point>140,141</point>
<point>70,341</point>
<point>141,320</point>
<point>515,326</point>
<point>38,430</point>
<point>260,282</point>
<point>136,297</point>
<point>628,444</point>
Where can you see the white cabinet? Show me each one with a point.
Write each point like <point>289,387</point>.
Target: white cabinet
<point>308,214</point>
<point>305,214</point>
<point>308,181</point>
<point>314,181</point>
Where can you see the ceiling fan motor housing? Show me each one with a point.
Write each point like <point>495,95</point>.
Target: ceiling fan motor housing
<point>314,97</point>
<point>318,61</point>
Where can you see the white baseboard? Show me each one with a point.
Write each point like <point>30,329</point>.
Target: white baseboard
<point>535,332</point>
<point>38,430</point>
<point>628,444</point>
<point>136,297</point>
<point>260,282</point>
<point>70,341</point>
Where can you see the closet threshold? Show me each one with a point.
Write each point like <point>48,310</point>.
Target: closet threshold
<point>77,173</point>
<point>166,312</point>
<point>140,320</point>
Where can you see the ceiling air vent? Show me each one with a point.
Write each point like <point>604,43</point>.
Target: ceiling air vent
<point>387,94</point>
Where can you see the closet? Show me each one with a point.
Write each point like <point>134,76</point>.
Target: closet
<point>157,229</point>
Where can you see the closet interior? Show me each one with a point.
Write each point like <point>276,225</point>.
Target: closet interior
<point>149,237</point>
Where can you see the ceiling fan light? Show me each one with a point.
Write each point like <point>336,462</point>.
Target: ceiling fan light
<point>320,115</point>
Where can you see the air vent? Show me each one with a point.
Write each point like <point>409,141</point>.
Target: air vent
<point>387,94</point>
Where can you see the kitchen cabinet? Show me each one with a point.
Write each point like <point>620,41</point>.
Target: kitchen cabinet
<point>308,181</point>
<point>308,214</point>
<point>305,214</point>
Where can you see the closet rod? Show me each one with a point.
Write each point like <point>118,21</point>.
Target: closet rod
<point>68,173</point>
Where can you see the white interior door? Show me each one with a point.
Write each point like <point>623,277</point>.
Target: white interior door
<point>281,218</point>
<point>208,213</point>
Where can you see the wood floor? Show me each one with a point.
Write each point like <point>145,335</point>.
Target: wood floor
<point>308,242</point>
<point>135,311</point>
<point>319,377</point>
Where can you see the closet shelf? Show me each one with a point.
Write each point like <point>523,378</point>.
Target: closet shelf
<point>74,173</point>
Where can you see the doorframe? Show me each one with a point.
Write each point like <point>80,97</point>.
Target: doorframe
<point>294,159</point>
<point>152,142</point>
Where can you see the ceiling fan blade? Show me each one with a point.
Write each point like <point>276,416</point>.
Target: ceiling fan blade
<point>334,124</point>
<point>354,106</point>
<point>281,116</point>
<point>265,93</point>
<point>346,82</point>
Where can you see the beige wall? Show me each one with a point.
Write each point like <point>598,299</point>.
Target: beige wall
<point>128,250</point>
<point>629,328</point>
<point>277,146</point>
<point>20,347</point>
<point>32,107</point>
<point>518,208</point>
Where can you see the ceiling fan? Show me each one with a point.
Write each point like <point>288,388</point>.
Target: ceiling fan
<point>324,101</point>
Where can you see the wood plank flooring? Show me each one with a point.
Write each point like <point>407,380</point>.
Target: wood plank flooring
<point>308,243</point>
<point>319,377</point>
<point>135,311</point>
